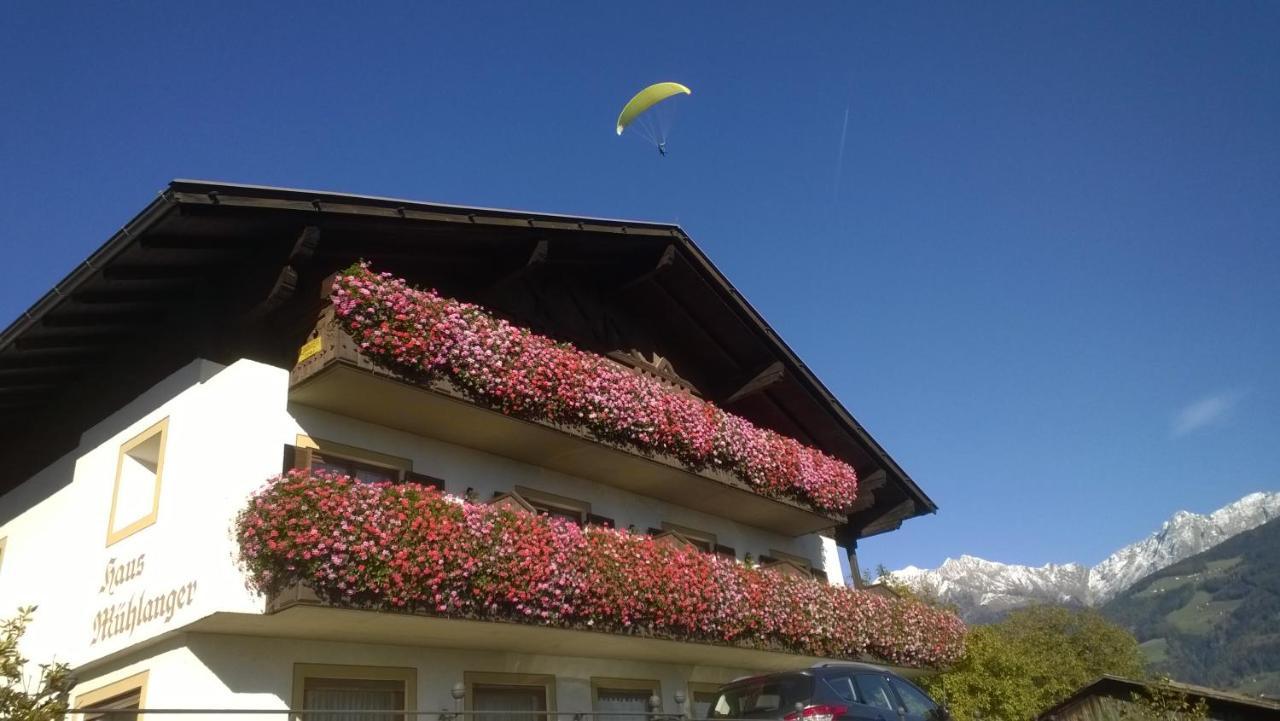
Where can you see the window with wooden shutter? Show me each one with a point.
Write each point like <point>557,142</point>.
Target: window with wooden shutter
<point>705,541</point>
<point>596,520</point>
<point>363,465</point>
<point>555,505</point>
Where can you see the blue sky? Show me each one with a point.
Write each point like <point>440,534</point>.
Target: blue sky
<point>1044,272</point>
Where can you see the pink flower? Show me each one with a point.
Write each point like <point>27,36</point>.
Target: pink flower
<point>446,557</point>
<point>511,369</point>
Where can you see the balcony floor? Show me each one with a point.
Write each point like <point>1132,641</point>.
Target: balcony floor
<point>327,623</point>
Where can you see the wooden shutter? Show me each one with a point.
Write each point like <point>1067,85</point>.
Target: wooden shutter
<point>726,551</point>
<point>296,457</point>
<point>596,520</point>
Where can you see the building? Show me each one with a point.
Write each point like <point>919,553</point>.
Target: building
<point>147,397</point>
<point>1110,698</point>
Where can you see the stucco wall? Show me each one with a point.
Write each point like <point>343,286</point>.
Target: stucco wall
<point>225,433</point>
<point>204,671</point>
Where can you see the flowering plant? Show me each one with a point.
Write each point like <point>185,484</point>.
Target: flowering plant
<point>411,548</point>
<point>425,335</point>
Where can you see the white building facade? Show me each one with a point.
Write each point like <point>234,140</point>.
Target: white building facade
<point>125,539</point>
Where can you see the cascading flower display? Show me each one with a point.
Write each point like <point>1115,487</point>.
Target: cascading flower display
<point>424,335</point>
<point>411,548</point>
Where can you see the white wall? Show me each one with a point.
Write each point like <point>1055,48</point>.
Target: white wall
<point>205,671</point>
<point>462,467</point>
<point>226,430</point>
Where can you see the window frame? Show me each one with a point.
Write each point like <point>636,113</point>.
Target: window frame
<point>115,535</point>
<point>308,449</point>
<point>471,679</point>
<point>895,682</point>
<point>137,683</point>
<point>407,675</point>
<point>705,541</point>
<point>800,561</point>
<point>696,687</point>
<point>544,503</point>
<point>866,697</point>
<point>653,686</point>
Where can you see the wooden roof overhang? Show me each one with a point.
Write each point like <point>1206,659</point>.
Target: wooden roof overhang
<point>225,271</point>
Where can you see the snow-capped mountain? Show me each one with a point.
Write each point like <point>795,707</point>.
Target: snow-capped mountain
<point>984,590</point>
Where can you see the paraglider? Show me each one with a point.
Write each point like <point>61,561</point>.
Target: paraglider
<point>649,113</point>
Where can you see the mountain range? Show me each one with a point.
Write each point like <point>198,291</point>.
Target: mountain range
<point>1212,619</point>
<point>985,590</point>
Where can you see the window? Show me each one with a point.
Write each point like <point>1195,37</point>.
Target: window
<point>620,699</point>
<point>800,561</point>
<point>361,464</point>
<point>705,542</point>
<point>355,690</point>
<point>844,688</point>
<point>359,470</point>
<point>557,506</point>
<point>763,700</point>
<point>702,696</point>
<point>113,702</point>
<point>913,699</point>
<point>873,691</point>
<point>135,498</point>
<point>519,694</point>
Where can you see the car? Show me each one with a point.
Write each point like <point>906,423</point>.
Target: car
<point>826,692</point>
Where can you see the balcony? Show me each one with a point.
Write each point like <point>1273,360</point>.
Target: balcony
<point>297,613</point>
<point>332,375</point>
<point>346,560</point>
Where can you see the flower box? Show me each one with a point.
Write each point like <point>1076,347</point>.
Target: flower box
<point>411,549</point>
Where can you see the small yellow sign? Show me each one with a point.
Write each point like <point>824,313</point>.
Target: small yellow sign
<point>309,349</point>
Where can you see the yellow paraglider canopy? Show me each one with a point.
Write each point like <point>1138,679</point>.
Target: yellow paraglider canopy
<point>646,99</point>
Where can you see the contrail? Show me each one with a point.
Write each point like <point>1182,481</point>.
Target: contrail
<point>844,129</point>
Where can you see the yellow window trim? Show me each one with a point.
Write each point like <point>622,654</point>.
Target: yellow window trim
<point>355,453</point>
<point>406,675</point>
<point>598,682</point>
<point>484,678</point>
<point>114,534</point>
<point>3,542</point>
<point>136,682</point>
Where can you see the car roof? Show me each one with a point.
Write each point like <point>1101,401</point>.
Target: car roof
<point>821,669</point>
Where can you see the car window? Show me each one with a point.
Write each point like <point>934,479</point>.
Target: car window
<point>843,688</point>
<point>916,703</point>
<point>874,692</point>
<point>762,700</point>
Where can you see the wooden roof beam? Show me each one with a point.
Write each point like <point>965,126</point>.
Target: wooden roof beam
<point>536,262</point>
<point>51,342</point>
<point>94,320</point>
<point>890,518</point>
<point>758,383</point>
<point>665,261</point>
<point>21,373</point>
